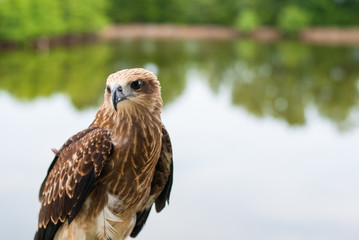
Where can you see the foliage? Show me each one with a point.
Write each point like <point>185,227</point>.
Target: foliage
<point>317,12</point>
<point>24,20</point>
<point>15,20</point>
<point>173,11</point>
<point>247,20</point>
<point>288,15</point>
<point>292,19</point>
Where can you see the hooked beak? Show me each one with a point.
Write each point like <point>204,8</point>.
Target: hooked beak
<point>117,96</point>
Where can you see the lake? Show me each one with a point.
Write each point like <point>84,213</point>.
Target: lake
<point>265,135</point>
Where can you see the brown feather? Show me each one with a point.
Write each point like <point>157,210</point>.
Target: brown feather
<point>59,196</point>
<point>161,184</point>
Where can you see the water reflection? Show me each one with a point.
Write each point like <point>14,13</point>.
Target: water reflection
<point>279,79</point>
<point>237,176</point>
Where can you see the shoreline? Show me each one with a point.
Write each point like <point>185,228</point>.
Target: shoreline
<point>330,36</point>
<point>314,35</point>
<point>185,32</point>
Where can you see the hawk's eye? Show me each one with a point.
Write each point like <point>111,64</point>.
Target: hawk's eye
<point>108,89</point>
<point>136,84</point>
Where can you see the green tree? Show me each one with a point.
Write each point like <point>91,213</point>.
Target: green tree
<point>15,20</point>
<point>27,20</point>
<point>292,19</point>
<point>247,20</point>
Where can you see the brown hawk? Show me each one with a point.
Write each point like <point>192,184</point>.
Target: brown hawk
<point>104,180</point>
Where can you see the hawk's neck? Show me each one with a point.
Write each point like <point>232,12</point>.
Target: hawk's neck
<point>137,138</point>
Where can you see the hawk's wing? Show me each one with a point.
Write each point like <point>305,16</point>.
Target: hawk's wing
<point>70,178</point>
<point>161,184</point>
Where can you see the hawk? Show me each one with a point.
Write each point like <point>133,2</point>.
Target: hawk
<point>104,180</point>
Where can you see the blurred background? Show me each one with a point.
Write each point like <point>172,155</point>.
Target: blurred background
<point>265,133</point>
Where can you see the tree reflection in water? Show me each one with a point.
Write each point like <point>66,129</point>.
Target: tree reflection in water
<point>277,79</point>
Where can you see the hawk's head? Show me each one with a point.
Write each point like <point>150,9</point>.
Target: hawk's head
<point>129,88</point>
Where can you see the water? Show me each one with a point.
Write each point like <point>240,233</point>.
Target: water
<point>265,136</point>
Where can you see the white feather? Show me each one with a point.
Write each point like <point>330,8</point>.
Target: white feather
<point>107,218</point>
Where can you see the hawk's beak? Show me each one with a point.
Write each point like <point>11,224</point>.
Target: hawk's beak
<point>117,96</point>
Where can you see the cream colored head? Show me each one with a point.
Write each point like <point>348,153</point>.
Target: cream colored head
<point>130,88</point>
